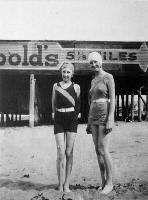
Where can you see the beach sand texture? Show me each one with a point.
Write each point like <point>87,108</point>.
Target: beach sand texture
<point>28,164</point>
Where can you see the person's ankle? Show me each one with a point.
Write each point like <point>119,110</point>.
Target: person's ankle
<point>107,188</point>
<point>66,188</point>
<point>60,188</point>
<point>109,182</point>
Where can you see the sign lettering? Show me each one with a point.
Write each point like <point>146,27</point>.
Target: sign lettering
<point>50,55</point>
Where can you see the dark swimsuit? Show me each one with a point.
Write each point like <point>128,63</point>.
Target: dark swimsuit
<point>66,121</point>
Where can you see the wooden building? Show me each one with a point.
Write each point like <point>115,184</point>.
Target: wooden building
<point>28,70</point>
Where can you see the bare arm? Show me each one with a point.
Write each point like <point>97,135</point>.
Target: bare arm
<point>78,91</point>
<point>53,98</point>
<point>89,97</point>
<point>111,88</point>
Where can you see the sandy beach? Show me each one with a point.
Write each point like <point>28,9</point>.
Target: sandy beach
<point>28,164</point>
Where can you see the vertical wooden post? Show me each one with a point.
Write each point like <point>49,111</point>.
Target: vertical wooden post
<point>118,106</point>
<point>132,106</point>
<point>20,117</point>
<point>127,107</point>
<point>146,119</point>
<point>115,107</point>
<point>31,103</point>
<point>2,119</point>
<point>139,106</point>
<point>127,101</point>
<point>12,117</point>
<point>123,107</point>
<point>16,117</point>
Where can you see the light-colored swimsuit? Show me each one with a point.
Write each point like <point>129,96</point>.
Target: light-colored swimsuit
<point>99,110</point>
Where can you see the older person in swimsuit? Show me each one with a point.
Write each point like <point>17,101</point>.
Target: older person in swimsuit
<point>101,117</point>
<point>65,105</point>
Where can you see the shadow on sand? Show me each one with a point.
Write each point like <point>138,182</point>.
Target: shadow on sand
<point>25,185</point>
<point>135,189</point>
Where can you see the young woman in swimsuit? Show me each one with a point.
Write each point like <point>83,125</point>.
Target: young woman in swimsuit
<point>101,117</point>
<point>65,105</point>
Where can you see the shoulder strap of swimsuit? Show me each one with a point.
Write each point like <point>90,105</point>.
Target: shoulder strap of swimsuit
<point>65,94</point>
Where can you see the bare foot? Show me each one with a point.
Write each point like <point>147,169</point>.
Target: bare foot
<point>66,189</point>
<point>102,186</point>
<point>107,189</point>
<point>60,188</point>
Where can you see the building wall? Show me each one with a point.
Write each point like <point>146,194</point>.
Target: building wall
<point>126,61</point>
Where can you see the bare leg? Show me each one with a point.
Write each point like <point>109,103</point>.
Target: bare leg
<point>60,159</point>
<point>101,163</point>
<point>103,149</point>
<point>70,139</point>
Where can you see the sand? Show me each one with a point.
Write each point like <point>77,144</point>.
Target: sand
<point>28,164</point>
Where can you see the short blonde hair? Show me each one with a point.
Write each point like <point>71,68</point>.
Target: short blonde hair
<point>95,56</point>
<point>67,64</point>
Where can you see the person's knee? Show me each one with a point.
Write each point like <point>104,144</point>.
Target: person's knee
<point>68,153</point>
<point>60,153</point>
<point>97,152</point>
<point>101,151</point>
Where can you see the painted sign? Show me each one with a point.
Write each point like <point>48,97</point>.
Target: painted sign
<point>50,55</point>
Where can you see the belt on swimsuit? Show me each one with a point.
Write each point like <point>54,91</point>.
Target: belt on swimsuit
<point>65,109</point>
<point>101,100</point>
